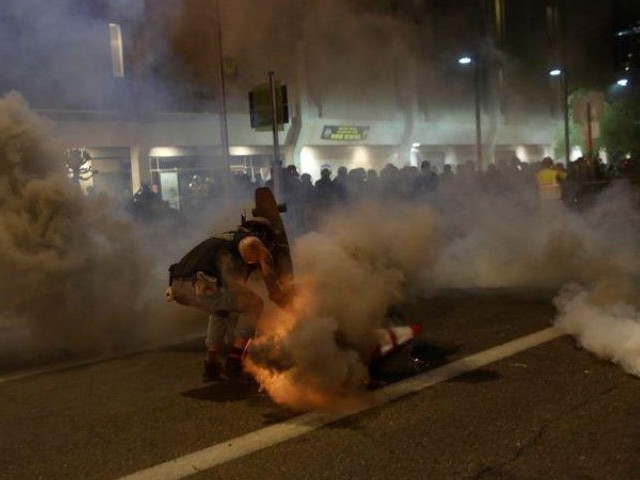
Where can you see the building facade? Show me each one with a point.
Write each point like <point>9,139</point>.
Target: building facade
<point>156,91</point>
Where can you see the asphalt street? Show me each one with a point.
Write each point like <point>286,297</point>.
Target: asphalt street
<point>552,411</point>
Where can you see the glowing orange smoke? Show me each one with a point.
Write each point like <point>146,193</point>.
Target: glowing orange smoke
<point>298,378</point>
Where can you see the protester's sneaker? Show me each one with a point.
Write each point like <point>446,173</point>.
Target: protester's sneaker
<point>233,364</point>
<point>211,370</point>
<point>232,368</point>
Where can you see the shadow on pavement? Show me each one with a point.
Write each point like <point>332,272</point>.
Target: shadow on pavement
<point>226,391</point>
<point>246,391</point>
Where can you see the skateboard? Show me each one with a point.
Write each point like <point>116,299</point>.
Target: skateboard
<point>267,207</point>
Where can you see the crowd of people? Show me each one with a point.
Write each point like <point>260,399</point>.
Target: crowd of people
<point>307,199</point>
<point>212,275</point>
<point>576,184</point>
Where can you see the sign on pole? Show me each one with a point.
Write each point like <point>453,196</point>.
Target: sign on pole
<point>260,109</point>
<point>587,107</point>
<point>588,110</point>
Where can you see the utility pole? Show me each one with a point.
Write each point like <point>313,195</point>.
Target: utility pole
<point>277,170</point>
<point>476,88</point>
<point>565,98</point>
<point>222,106</point>
<point>475,62</point>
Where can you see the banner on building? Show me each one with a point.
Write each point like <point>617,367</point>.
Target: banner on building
<point>345,132</point>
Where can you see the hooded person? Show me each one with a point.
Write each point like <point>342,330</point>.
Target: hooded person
<point>213,276</point>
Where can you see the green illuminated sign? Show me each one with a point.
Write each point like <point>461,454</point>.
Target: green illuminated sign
<point>344,133</point>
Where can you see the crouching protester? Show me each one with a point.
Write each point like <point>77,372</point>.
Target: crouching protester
<point>212,277</point>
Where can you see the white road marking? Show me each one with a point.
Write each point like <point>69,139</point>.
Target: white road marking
<point>252,442</point>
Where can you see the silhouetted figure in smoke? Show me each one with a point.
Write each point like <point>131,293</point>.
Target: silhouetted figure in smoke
<point>212,277</point>
<point>307,197</point>
<point>147,206</point>
<point>326,192</point>
<point>390,182</point>
<point>585,179</point>
<point>291,182</point>
<point>307,190</point>
<point>325,198</point>
<point>355,183</point>
<point>572,185</point>
<point>447,173</point>
<point>371,187</point>
<point>292,189</point>
<point>341,184</point>
<point>146,194</point>
<point>515,180</point>
<point>143,204</point>
<point>492,180</point>
<point>426,182</point>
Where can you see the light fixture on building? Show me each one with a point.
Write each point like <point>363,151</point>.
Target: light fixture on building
<point>117,58</point>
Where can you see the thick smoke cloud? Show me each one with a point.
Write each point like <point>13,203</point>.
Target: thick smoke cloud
<point>610,329</point>
<point>71,275</point>
<point>350,273</point>
<point>368,257</point>
<point>40,54</point>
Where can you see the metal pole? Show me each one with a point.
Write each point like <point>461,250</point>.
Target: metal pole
<point>565,95</point>
<point>224,130</point>
<point>476,87</point>
<point>277,171</point>
<point>564,39</point>
<point>589,132</point>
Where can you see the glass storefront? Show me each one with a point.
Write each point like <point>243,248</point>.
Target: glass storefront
<point>186,182</point>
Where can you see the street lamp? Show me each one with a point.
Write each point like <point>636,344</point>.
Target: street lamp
<point>560,72</point>
<point>466,60</point>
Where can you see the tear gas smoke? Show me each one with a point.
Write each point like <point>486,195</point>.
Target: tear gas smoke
<point>78,278</point>
<point>71,275</point>
<point>610,330</point>
<point>350,273</point>
<point>368,257</point>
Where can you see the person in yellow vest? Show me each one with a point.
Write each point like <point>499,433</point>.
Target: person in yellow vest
<point>549,180</point>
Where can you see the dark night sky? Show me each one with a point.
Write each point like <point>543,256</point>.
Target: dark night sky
<point>626,13</point>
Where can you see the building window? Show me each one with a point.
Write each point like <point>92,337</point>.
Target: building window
<point>117,61</point>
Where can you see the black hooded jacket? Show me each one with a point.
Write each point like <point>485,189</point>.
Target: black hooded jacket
<point>206,257</point>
